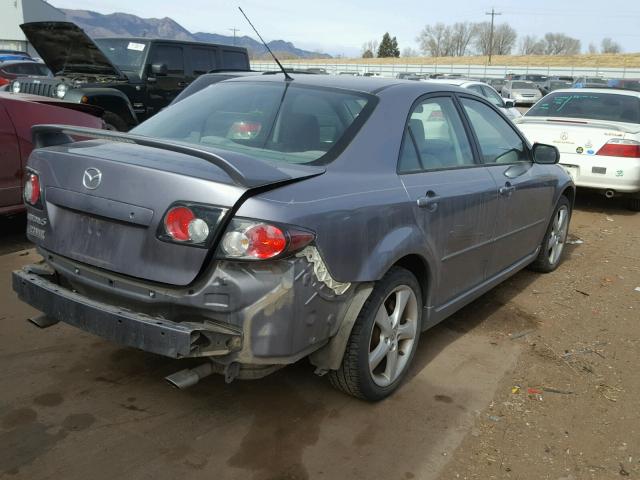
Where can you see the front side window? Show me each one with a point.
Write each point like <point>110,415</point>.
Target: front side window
<point>498,141</point>
<point>271,120</point>
<point>491,95</point>
<point>435,138</point>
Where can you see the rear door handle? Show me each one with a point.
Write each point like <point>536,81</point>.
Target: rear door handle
<point>507,189</point>
<point>429,201</point>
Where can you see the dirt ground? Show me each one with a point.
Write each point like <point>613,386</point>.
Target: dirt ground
<point>535,380</point>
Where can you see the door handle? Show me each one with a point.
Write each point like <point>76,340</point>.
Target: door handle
<point>183,84</point>
<point>507,189</point>
<point>429,201</point>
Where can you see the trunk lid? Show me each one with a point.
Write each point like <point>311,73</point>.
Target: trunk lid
<point>64,46</point>
<point>114,226</point>
<point>573,136</point>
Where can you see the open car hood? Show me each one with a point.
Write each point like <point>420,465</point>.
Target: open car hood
<point>65,47</point>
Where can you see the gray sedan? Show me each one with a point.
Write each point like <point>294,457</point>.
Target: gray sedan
<point>261,221</point>
<point>521,92</point>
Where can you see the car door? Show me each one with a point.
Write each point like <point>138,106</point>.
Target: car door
<point>10,166</point>
<point>525,189</point>
<point>454,195</point>
<point>163,88</point>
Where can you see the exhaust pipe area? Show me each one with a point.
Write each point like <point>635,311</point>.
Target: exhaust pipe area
<point>43,321</point>
<point>609,193</point>
<point>190,376</point>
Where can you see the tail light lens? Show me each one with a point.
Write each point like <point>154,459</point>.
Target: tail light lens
<point>32,189</point>
<point>255,240</point>
<point>619,147</point>
<point>244,130</point>
<point>190,224</point>
<point>4,81</point>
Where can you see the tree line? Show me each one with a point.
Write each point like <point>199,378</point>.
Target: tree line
<point>466,38</point>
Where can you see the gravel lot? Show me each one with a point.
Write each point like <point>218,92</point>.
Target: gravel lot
<point>537,379</point>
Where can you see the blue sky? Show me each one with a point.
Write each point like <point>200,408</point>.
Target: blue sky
<point>342,26</point>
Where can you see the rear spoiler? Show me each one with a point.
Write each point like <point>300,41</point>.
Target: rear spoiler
<point>576,121</point>
<point>244,171</point>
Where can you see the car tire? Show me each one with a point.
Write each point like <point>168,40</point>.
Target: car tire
<point>380,340</point>
<point>114,122</point>
<point>634,204</point>
<point>552,246</point>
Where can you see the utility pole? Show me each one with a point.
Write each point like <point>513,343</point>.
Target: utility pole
<point>234,30</point>
<point>493,13</point>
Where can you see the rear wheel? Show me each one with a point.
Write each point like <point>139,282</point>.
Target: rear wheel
<point>114,122</point>
<point>383,340</point>
<point>554,240</point>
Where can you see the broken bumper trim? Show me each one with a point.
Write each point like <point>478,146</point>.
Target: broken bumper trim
<point>155,335</point>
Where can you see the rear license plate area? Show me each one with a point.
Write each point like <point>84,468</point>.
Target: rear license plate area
<point>599,170</point>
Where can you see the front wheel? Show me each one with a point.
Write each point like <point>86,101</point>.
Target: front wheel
<point>383,340</point>
<point>554,240</point>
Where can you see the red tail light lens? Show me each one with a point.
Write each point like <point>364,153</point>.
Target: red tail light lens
<point>4,81</point>
<point>617,147</point>
<point>32,189</point>
<point>190,224</point>
<point>254,240</point>
<point>177,221</point>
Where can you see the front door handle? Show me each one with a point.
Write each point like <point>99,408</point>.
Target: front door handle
<point>507,189</point>
<point>429,201</point>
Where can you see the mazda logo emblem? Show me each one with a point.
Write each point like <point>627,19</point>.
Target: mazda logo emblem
<point>92,178</point>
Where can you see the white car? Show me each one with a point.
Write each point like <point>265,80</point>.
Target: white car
<point>484,90</point>
<point>598,134</point>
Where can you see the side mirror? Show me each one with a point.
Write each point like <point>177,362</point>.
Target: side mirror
<point>159,69</point>
<point>508,103</point>
<point>545,154</point>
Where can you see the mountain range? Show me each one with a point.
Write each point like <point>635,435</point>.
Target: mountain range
<point>126,25</point>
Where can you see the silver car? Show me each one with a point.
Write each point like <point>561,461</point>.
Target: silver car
<point>262,221</point>
<point>484,90</point>
<point>521,92</point>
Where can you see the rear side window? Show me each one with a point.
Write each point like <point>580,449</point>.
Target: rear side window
<point>435,138</point>
<point>202,60</point>
<point>171,55</point>
<point>594,106</point>
<point>498,141</point>
<point>234,60</point>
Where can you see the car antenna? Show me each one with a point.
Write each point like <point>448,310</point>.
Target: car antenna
<point>286,75</point>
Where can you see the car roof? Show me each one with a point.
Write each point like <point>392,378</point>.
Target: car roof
<point>346,82</point>
<point>177,42</point>
<point>619,91</point>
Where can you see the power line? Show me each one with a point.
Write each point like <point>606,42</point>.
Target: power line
<point>493,13</point>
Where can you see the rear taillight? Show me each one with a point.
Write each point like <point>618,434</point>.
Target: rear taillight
<point>190,224</point>
<point>4,81</point>
<point>244,130</point>
<point>619,147</point>
<point>32,189</point>
<point>255,240</point>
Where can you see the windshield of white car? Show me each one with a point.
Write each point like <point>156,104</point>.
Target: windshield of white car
<point>125,54</point>
<point>609,107</point>
<point>523,86</point>
<point>272,120</point>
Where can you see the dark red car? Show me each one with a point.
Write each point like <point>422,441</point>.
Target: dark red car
<point>9,71</point>
<point>18,113</point>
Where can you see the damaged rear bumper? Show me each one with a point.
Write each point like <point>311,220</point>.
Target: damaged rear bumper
<point>156,335</point>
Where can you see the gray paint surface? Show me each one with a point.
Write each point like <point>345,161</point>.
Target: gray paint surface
<point>365,216</point>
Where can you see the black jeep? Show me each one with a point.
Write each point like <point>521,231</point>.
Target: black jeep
<point>130,78</point>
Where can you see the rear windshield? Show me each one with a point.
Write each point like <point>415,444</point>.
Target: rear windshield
<point>523,85</point>
<point>278,121</point>
<point>594,106</point>
<point>596,80</point>
<point>494,81</point>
